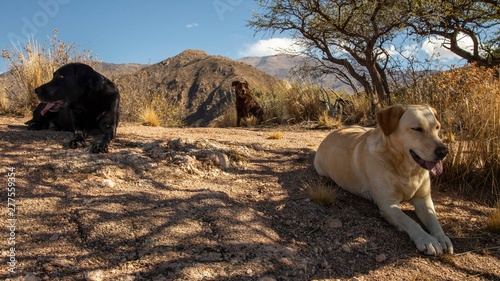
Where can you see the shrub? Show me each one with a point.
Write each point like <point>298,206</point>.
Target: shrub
<point>149,117</point>
<point>322,193</point>
<point>297,103</point>
<point>468,104</point>
<point>138,103</point>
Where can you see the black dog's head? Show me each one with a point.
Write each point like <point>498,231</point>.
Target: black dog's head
<point>67,83</point>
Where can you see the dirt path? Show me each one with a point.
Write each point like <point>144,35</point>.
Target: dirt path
<point>209,204</point>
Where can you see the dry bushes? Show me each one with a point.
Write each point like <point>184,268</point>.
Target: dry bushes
<point>297,103</point>
<point>32,65</point>
<point>290,104</point>
<point>468,103</point>
<point>151,107</point>
<point>470,97</point>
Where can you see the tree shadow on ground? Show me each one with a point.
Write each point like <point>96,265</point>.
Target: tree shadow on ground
<point>154,223</point>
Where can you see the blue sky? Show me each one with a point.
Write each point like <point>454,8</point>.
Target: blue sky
<point>133,31</point>
<point>148,31</point>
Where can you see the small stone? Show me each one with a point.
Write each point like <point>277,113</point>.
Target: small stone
<point>70,195</point>
<point>30,277</point>
<point>108,183</point>
<point>54,237</point>
<point>95,275</point>
<point>257,147</point>
<point>224,161</point>
<point>333,223</point>
<point>266,278</point>
<point>381,258</point>
<point>346,248</point>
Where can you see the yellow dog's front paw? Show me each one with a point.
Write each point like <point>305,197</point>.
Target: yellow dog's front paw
<point>429,245</point>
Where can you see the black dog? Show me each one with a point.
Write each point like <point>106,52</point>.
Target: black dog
<point>245,104</point>
<point>92,99</point>
<point>54,116</point>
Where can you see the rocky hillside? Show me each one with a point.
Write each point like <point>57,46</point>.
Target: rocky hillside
<point>198,82</point>
<point>113,70</point>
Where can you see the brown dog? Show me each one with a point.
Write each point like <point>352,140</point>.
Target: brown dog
<point>245,104</point>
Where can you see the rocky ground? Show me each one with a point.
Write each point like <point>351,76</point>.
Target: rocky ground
<point>208,204</point>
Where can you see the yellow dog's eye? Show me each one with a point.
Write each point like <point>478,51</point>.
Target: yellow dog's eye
<point>418,129</point>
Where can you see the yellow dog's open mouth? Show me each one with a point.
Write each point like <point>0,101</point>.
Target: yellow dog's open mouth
<point>435,167</point>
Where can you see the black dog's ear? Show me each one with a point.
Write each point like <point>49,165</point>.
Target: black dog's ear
<point>235,83</point>
<point>245,83</point>
<point>98,83</point>
<point>87,76</point>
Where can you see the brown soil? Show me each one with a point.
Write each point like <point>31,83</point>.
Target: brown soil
<point>210,204</point>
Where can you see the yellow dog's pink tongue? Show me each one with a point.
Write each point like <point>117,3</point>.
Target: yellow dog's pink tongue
<point>436,168</point>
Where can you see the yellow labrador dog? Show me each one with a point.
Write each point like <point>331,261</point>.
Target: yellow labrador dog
<point>391,164</point>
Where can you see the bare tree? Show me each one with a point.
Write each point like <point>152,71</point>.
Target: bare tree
<point>455,20</point>
<point>344,36</point>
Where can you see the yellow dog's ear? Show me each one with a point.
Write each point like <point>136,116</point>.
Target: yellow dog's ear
<point>388,118</point>
<point>434,111</point>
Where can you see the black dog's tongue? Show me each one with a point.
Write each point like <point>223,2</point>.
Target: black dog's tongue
<point>53,107</point>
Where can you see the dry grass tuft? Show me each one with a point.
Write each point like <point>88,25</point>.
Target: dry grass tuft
<point>321,193</point>
<point>226,120</point>
<point>419,276</point>
<point>275,136</point>
<point>325,121</point>
<point>493,223</point>
<point>149,117</point>
<point>237,156</point>
<point>4,102</point>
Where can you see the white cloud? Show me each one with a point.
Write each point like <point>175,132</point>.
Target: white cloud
<point>269,47</point>
<point>191,25</point>
<point>407,51</point>
<point>433,47</point>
